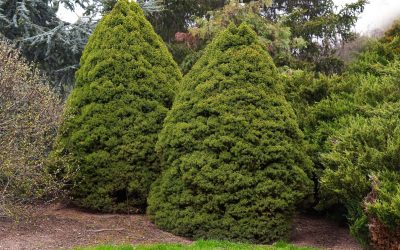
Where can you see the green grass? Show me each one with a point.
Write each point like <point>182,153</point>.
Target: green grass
<point>200,245</point>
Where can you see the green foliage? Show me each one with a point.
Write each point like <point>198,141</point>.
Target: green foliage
<point>359,228</point>
<point>365,145</point>
<point>386,206</point>
<point>190,60</point>
<point>364,137</point>
<point>304,89</point>
<point>392,34</point>
<point>351,125</point>
<point>124,89</point>
<point>358,144</point>
<point>202,245</point>
<point>231,148</point>
<point>179,51</point>
<point>320,23</point>
<point>275,37</point>
<point>177,15</point>
<point>323,104</point>
<point>300,34</point>
<point>361,121</point>
<point>148,6</point>
<point>376,58</point>
<point>318,111</point>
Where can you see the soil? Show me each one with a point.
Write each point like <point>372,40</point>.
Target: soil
<point>59,227</point>
<point>322,233</point>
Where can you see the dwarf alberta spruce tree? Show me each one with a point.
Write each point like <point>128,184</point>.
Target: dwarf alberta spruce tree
<point>124,88</point>
<point>231,148</point>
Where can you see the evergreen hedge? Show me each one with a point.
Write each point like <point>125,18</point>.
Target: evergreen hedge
<point>231,148</point>
<point>362,140</point>
<point>124,88</point>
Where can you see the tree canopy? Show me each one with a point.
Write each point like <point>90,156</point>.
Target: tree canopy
<point>45,39</point>
<point>321,23</point>
<point>177,15</point>
<point>298,34</point>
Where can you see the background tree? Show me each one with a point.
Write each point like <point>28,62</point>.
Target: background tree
<point>392,33</point>
<point>299,34</point>
<point>45,39</point>
<point>276,38</point>
<point>104,6</point>
<point>231,148</point>
<point>320,23</point>
<point>123,91</point>
<point>29,117</point>
<point>57,45</point>
<point>171,16</point>
<point>177,15</point>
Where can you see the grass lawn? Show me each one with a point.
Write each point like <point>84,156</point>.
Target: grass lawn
<point>200,245</point>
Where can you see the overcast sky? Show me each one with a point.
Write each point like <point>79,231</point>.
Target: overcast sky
<point>377,14</point>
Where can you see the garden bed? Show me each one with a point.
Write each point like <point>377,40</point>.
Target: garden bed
<point>57,227</point>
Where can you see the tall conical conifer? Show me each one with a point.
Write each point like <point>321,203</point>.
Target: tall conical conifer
<point>231,148</point>
<point>124,88</point>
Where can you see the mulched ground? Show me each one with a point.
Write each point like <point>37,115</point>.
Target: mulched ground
<point>322,233</point>
<point>63,228</point>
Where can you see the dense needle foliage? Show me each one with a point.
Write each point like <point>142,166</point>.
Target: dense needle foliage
<point>231,148</point>
<point>124,88</point>
<point>351,124</point>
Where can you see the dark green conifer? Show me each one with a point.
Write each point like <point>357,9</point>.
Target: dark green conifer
<point>231,148</point>
<point>124,88</point>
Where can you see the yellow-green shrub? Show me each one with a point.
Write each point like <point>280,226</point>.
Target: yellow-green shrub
<point>232,151</point>
<point>124,88</point>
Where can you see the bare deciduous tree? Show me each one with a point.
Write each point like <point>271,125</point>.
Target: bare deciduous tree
<point>29,116</point>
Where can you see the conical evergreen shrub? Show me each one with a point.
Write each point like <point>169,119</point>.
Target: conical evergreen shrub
<point>124,88</point>
<point>231,148</point>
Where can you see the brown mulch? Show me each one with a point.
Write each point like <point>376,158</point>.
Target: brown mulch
<point>64,228</point>
<point>319,232</point>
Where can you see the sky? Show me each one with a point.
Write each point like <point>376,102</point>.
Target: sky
<point>377,14</point>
